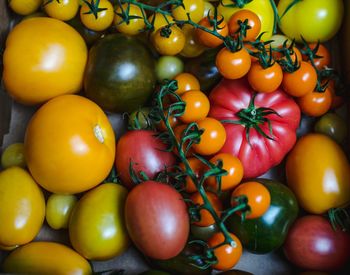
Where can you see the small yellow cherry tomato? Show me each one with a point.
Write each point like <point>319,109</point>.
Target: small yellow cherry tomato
<point>169,41</point>
<point>24,7</point>
<point>61,9</point>
<point>159,20</point>
<point>134,25</point>
<point>193,8</point>
<point>97,16</point>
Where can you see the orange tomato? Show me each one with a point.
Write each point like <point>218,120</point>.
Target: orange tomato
<point>173,122</point>
<point>234,169</point>
<point>315,104</point>
<point>186,82</point>
<point>245,18</point>
<point>171,44</point>
<point>233,65</point>
<point>178,131</point>
<point>198,168</point>
<point>197,106</point>
<point>324,58</point>
<point>206,218</point>
<point>69,145</point>
<point>293,53</point>
<point>265,80</point>
<point>207,39</point>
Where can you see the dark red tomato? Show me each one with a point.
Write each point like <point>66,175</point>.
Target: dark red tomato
<point>233,100</point>
<point>145,151</point>
<point>313,244</point>
<point>157,220</point>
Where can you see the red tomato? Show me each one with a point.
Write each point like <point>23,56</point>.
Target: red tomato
<point>157,219</point>
<point>145,151</point>
<point>228,101</point>
<point>313,244</point>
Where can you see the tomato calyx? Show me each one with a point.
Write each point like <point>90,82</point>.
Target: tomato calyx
<point>206,258</point>
<point>94,7</point>
<point>236,3</point>
<point>339,218</point>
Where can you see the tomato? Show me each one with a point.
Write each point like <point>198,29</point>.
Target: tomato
<point>167,67</point>
<point>322,57</point>
<point>278,40</point>
<point>314,20</point>
<point>24,7</point>
<point>135,25</point>
<point>233,65</point>
<point>186,82</point>
<point>197,106</point>
<point>13,155</point>
<point>59,209</point>
<point>300,82</point>
<point>318,173</point>
<point>232,100</point>
<point>293,52</point>
<point>63,10</point>
<point>244,19</point>
<point>171,44</point>
<point>178,131</point>
<point>43,58</point>
<point>157,220</point>
<point>92,234</point>
<point>208,9</point>
<point>315,104</point>
<point>159,20</point>
<point>213,137</point>
<point>74,134</point>
<point>23,207</point>
<point>234,169</point>
<point>206,219</point>
<point>207,39</point>
<point>106,81</point>
<point>262,8</point>
<point>227,255</point>
<point>46,258</point>
<point>97,15</point>
<point>192,46</point>
<point>192,8</point>
<point>203,232</point>
<point>258,198</point>
<point>313,244</point>
<point>332,125</point>
<point>198,167</point>
<point>147,154</point>
<point>265,80</point>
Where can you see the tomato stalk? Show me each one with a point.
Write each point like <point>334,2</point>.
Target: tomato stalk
<point>237,3</point>
<point>94,7</point>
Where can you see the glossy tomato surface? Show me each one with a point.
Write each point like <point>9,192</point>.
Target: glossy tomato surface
<point>157,220</point>
<point>69,145</point>
<point>258,153</point>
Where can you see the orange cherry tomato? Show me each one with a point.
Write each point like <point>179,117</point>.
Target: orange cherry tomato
<point>169,41</point>
<point>227,255</point>
<point>178,131</point>
<point>300,82</point>
<point>198,168</point>
<point>197,106</point>
<point>324,59</point>
<point>248,19</point>
<point>234,169</point>
<point>258,198</point>
<point>233,65</point>
<point>207,39</point>
<point>294,54</point>
<point>173,121</point>
<point>315,104</point>
<point>206,218</point>
<point>186,82</point>
<point>265,80</point>
<point>212,139</point>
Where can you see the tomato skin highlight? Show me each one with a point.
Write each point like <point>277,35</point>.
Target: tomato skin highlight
<point>157,220</point>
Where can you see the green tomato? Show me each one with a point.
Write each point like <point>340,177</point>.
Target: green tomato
<point>59,209</point>
<point>203,232</point>
<point>333,126</point>
<point>96,227</point>
<point>13,155</point>
<point>314,20</point>
<point>139,119</point>
<point>168,67</point>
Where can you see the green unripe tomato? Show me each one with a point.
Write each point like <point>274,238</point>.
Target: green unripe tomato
<point>58,210</point>
<point>333,126</point>
<point>168,67</point>
<point>141,116</point>
<point>13,155</point>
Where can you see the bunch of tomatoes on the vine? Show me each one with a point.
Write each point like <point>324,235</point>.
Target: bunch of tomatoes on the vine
<point>192,129</point>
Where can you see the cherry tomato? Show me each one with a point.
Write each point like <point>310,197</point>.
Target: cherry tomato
<point>206,218</point>
<point>213,138</point>
<point>337,100</point>
<point>294,54</point>
<point>315,104</point>
<point>134,25</point>
<point>207,39</point>
<point>169,41</point>
<point>333,126</point>
<point>258,198</point>
<point>193,8</point>
<point>233,65</point>
<point>97,16</point>
<point>24,7</point>
<point>173,121</point>
<point>159,20</point>
<point>234,169</point>
<point>198,168</point>
<point>58,210</point>
<point>246,19</point>
<point>300,82</point>
<point>265,80</point>
<point>197,106</point>
<point>192,46</point>
<point>167,67</point>
<point>227,255</point>
<point>186,82</point>
<point>13,155</point>
<point>61,9</point>
<point>178,131</point>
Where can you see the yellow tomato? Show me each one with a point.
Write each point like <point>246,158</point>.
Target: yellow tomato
<point>134,25</point>
<point>98,16</point>
<point>194,8</point>
<point>46,258</point>
<point>62,10</point>
<point>318,173</point>
<point>69,145</point>
<point>159,20</point>
<point>22,208</point>
<point>44,57</point>
<point>24,7</point>
<point>13,155</point>
<point>96,228</point>
<point>192,47</point>
<point>262,8</point>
